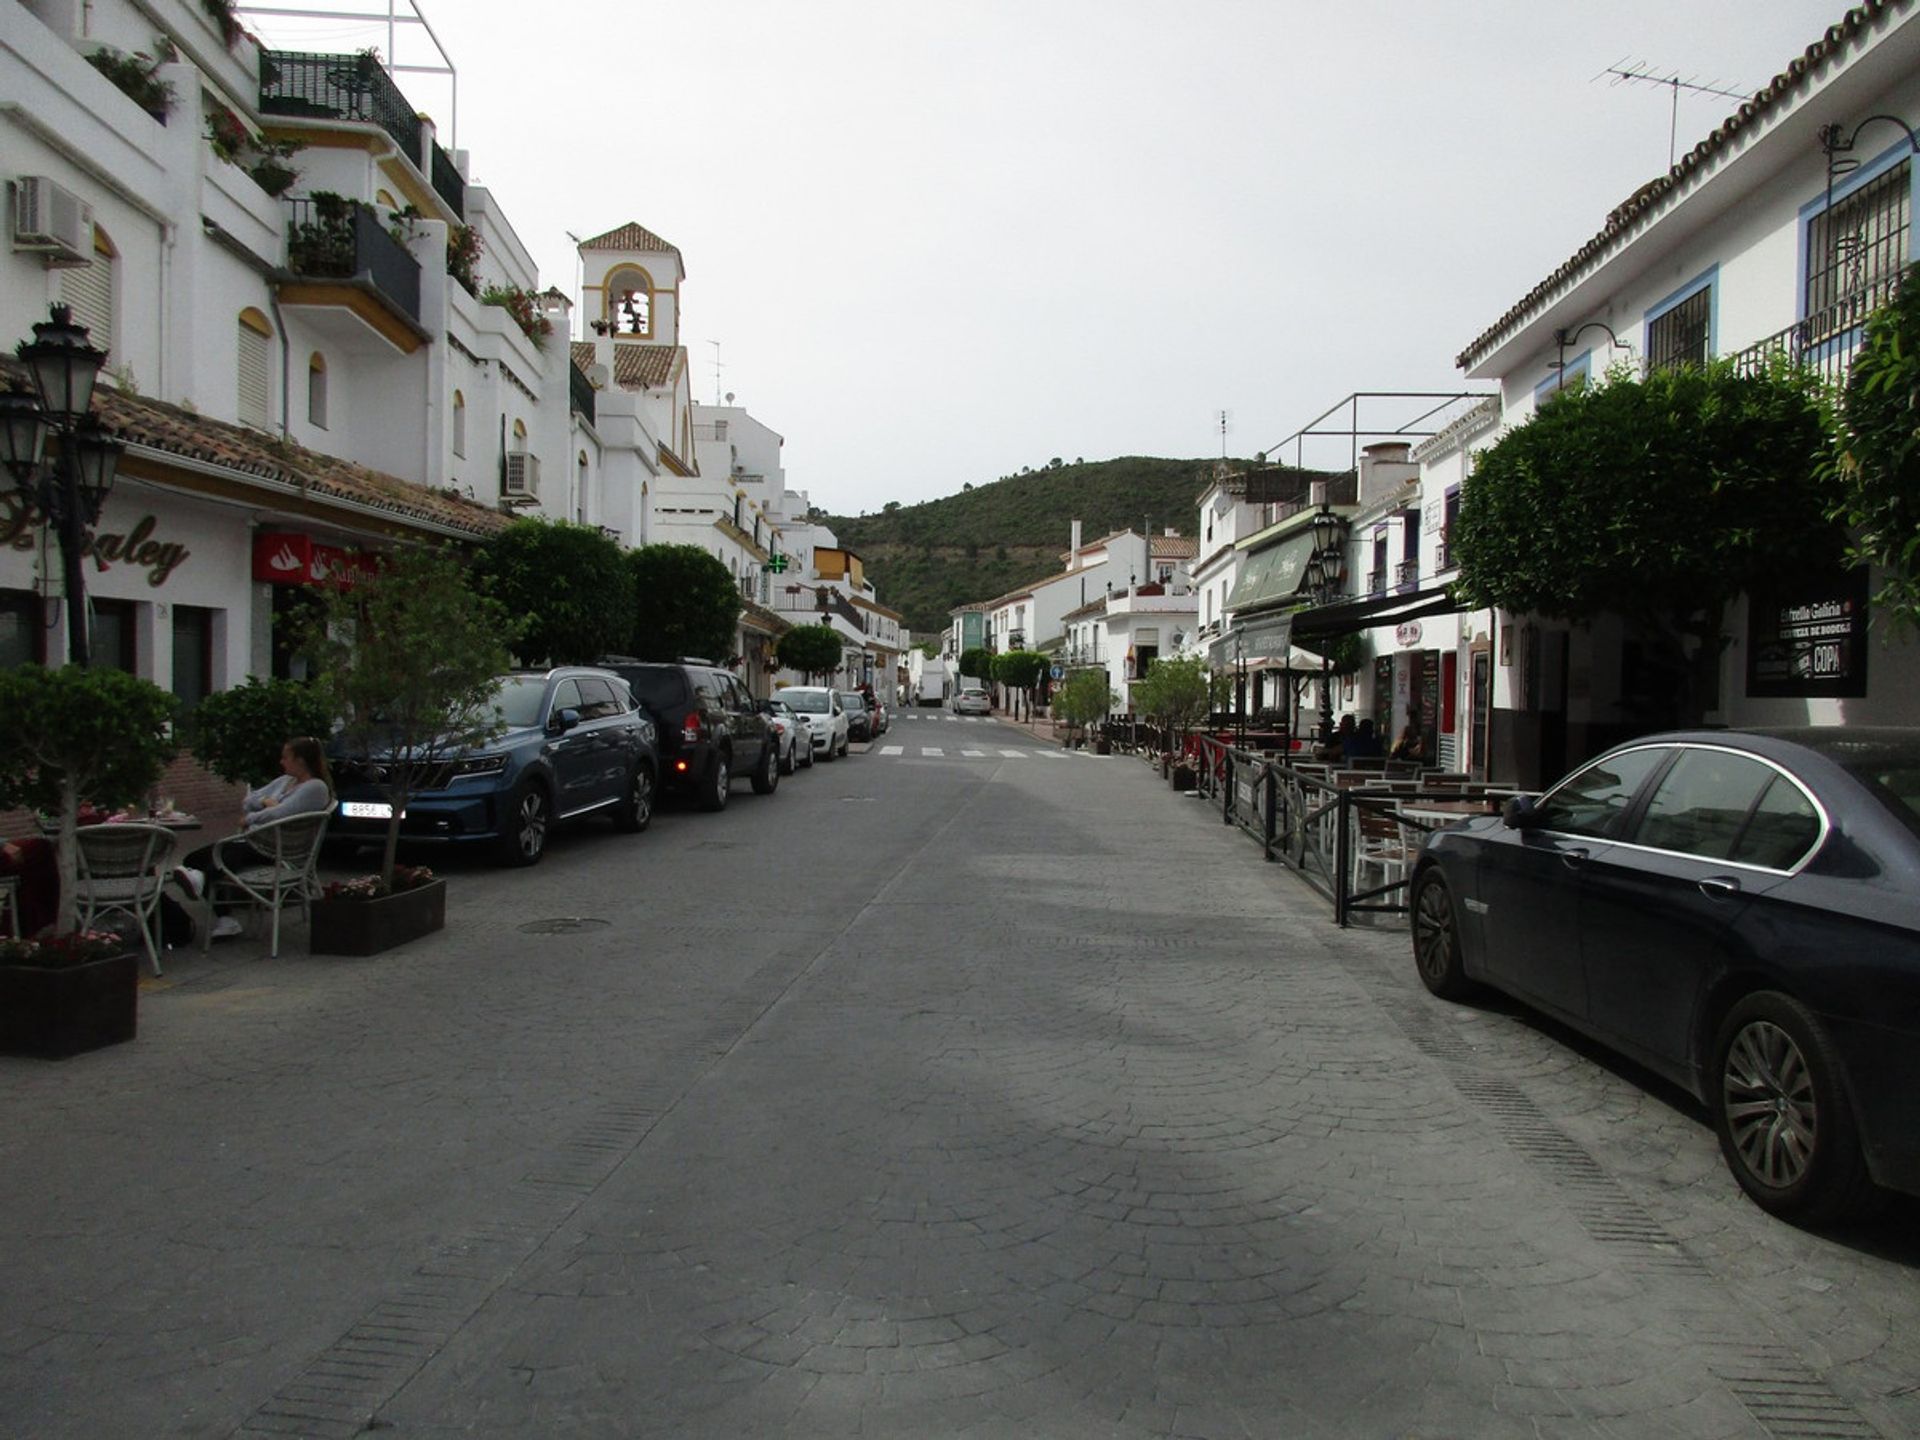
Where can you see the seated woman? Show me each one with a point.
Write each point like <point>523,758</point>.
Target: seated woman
<point>303,787</point>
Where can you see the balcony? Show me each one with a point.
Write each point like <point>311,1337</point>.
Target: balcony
<point>1442,557</point>
<point>341,258</point>
<point>1377,583</point>
<point>1406,574</point>
<point>580,392</point>
<point>300,86</point>
<point>1824,342</point>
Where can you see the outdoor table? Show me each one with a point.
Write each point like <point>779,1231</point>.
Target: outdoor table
<point>1443,812</point>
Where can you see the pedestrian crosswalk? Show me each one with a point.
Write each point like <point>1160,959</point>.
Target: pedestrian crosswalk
<point>940,752</point>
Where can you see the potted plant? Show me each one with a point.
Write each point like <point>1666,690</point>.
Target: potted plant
<point>137,76</point>
<point>69,734</point>
<point>1083,697</point>
<point>408,656</point>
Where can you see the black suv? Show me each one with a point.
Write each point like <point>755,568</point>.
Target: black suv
<point>710,728</point>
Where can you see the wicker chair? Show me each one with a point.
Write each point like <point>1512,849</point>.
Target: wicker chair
<point>272,866</point>
<point>120,872</point>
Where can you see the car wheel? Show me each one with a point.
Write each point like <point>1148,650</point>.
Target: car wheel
<point>635,813</point>
<point>843,746</point>
<point>1436,938</point>
<point>523,839</point>
<point>1784,1123</point>
<point>719,784</point>
<point>806,753</point>
<point>768,775</point>
<point>828,753</point>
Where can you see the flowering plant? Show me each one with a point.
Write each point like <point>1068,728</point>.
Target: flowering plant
<point>524,307</point>
<point>373,887</point>
<point>61,952</point>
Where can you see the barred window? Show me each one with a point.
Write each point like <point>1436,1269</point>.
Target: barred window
<point>1679,336</point>
<point>1854,250</point>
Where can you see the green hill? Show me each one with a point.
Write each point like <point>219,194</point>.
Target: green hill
<point>925,559</point>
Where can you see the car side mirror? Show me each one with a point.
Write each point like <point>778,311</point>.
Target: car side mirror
<point>1520,813</point>
<point>563,721</point>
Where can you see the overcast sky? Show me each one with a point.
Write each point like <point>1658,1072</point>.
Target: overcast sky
<point>940,240</point>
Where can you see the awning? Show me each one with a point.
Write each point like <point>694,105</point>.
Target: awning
<point>1371,613</point>
<point>1273,574</point>
<point>1269,633</point>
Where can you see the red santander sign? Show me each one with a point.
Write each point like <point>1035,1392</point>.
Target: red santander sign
<point>285,558</point>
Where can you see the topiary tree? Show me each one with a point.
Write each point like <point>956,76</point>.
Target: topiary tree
<point>569,583</point>
<point>237,733</point>
<point>1658,500</point>
<point>810,649</point>
<point>1174,694</point>
<point>409,659</point>
<point>76,734</point>
<point>684,603</point>
<point>1084,697</point>
<point>977,662</point>
<point>1877,464</point>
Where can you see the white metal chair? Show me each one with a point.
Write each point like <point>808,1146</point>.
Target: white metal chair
<point>120,872</point>
<point>273,866</point>
<point>1382,847</point>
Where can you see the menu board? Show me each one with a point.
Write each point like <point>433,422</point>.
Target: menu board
<point>1809,642</point>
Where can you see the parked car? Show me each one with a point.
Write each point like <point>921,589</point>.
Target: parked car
<point>1737,910</point>
<point>795,735</point>
<point>574,742</point>
<point>711,730</point>
<point>859,718</point>
<point>971,700</point>
<point>826,717</point>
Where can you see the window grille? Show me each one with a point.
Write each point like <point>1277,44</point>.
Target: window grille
<point>1854,250</point>
<point>1679,337</point>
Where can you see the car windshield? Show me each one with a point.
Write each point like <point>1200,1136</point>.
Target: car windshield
<point>849,701</point>
<point>813,702</point>
<point>517,701</point>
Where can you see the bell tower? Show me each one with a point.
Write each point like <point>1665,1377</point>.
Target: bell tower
<point>630,291</point>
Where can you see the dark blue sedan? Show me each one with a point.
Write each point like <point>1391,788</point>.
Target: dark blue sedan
<point>1737,910</point>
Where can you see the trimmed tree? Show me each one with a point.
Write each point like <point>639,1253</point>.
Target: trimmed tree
<point>1083,697</point>
<point>75,733</point>
<point>237,733</point>
<point>1877,464</point>
<point>1659,500</point>
<point>409,659</point>
<point>1174,694</point>
<point>810,649</point>
<point>569,584</point>
<point>977,662</point>
<point>684,603</point>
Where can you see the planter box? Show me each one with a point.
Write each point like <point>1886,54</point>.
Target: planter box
<point>52,1014</point>
<point>1183,777</point>
<point>366,927</point>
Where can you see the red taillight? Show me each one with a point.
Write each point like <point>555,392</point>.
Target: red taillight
<point>681,766</point>
<point>690,729</point>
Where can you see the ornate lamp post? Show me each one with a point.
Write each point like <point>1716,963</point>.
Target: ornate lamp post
<point>68,486</point>
<point>1326,579</point>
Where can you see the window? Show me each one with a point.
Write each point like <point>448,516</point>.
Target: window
<point>459,424</point>
<point>1702,803</point>
<point>566,696</point>
<point>22,634</point>
<point>255,370</point>
<point>317,390</point>
<point>597,700</point>
<point>1780,830</point>
<point>192,653</point>
<point>1854,250</point>
<point>1594,801</point>
<point>1682,333</point>
<point>87,290</point>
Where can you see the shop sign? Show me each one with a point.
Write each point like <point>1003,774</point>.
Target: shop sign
<point>21,522</point>
<point>1407,632</point>
<point>283,558</point>
<point>1811,642</point>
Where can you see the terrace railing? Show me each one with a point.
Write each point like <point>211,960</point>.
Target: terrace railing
<point>346,241</point>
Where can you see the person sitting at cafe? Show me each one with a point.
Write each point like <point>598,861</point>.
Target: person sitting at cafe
<point>1343,737</point>
<point>1412,744</point>
<point>1365,745</point>
<point>303,787</point>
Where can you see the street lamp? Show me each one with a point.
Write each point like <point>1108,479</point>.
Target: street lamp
<point>69,486</point>
<point>1326,576</point>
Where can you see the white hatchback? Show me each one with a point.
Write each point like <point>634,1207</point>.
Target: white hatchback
<point>825,717</point>
<point>972,700</point>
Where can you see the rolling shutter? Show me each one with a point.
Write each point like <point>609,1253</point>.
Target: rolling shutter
<point>256,366</point>
<point>87,290</point>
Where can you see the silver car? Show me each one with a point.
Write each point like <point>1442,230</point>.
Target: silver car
<point>972,700</point>
<point>826,718</point>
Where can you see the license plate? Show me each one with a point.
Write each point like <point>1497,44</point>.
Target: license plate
<point>366,810</point>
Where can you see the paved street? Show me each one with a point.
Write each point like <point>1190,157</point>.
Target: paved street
<point>995,1094</point>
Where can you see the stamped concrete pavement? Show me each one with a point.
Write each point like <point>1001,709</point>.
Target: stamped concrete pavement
<point>924,1098</point>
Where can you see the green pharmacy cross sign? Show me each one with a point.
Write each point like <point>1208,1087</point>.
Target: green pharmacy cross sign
<point>778,564</point>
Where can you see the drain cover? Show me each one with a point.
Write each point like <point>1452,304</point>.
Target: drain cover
<point>564,925</point>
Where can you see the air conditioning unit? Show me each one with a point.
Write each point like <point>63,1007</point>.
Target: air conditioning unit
<point>52,221</point>
<point>523,477</point>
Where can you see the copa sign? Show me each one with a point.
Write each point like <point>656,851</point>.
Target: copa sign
<point>1407,632</point>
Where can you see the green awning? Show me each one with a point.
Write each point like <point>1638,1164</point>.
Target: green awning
<point>1272,575</point>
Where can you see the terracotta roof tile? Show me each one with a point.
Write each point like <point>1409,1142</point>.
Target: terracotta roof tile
<point>635,367</point>
<point>1175,547</point>
<point>1659,191</point>
<point>156,425</point>
<point>632,236</point>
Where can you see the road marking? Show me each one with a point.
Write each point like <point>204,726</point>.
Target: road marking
<point>1014,754</point>
<point>973,754</point>
<point>891,749</point>
<point>931,750</point>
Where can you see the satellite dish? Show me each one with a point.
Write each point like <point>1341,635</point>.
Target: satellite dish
<point>599,376</point>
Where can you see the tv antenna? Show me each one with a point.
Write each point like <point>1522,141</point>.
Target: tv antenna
<point>717,368</point>
<point>1223,419</point>
<point>1639,72</point>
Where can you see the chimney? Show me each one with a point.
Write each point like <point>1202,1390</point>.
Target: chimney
<point>1074,544</point>
<point>1384,468</point>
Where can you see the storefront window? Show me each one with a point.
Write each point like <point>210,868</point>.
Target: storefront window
<point>192,653</point>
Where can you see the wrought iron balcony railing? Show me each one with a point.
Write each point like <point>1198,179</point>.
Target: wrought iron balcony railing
<point>335,240</point>
<point>1407,572</point>
<point>1442,556</point>
<point>580,391</point>
<point>1377,583</point>
<point>1824,342</point>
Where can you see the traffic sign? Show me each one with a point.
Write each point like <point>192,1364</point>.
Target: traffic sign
<point>1059,672</point>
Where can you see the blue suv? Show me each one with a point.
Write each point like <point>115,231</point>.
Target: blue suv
<point>573,743</point>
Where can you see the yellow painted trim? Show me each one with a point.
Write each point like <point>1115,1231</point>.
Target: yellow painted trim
<point>256,322</point>
<point>424,197</point>
<point>351,297</point>
<point>317,138</point>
